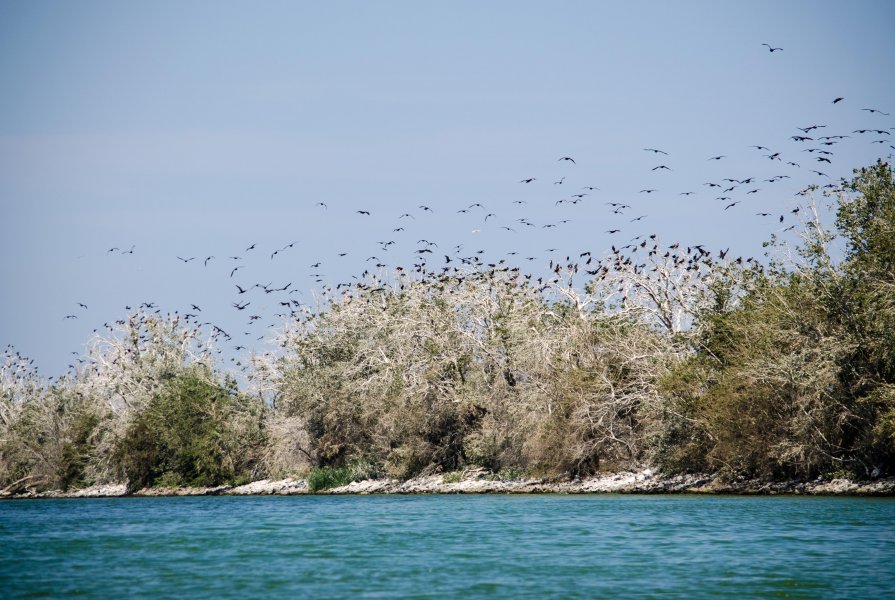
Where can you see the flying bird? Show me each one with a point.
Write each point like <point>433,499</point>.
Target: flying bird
<point>771,48</point>
<point>568,158</point>
<point>837,100</point>
<point>655,151</point>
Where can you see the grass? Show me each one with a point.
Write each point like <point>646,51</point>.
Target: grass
<point>325,478</point>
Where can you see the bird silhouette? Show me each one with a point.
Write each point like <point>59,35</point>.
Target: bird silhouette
<point>567,158</point>
<point>771,48</point>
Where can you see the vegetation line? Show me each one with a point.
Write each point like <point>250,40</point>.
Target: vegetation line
<point>683,361</point>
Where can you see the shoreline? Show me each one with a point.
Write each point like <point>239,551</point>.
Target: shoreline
<point>479,481</point>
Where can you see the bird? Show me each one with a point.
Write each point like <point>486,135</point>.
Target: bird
<point>719,157</point>
<point>363,212</point>
<point>837,100</point>
<point>529,180</point>
<point>207,259</point>
<point>186,260</point>
<point>661,167</point>
<point>655,151</point>
<point>252,247</point>
<point>323,204</point>
<point>567,158</point>
<point>771,48</point>
<point>647,191</point>
<point>82,305</point>
<point>561,179</point>
<point>873,110</point>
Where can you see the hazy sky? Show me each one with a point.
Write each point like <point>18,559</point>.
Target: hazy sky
<point>197,129</point>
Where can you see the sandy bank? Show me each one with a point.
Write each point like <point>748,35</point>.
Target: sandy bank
<point>479,481</point>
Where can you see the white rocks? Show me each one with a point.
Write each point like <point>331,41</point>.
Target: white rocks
<point>480,481</point>
<point>267,487</point>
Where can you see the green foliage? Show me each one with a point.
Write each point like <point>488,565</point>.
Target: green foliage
<point>452,477</point>
<point>324,478</point>
<point>194,432</point>
<point>797,379</point>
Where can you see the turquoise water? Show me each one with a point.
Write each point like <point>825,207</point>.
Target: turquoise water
<point>449,546</point>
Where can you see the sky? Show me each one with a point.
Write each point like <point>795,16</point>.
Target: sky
<point>198,129</point>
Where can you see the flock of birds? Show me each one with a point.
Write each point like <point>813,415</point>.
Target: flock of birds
<point>816,144</point>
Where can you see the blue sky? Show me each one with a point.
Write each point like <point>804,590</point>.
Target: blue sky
<point>196,129</point>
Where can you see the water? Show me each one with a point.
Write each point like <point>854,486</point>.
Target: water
<point>449,546</point>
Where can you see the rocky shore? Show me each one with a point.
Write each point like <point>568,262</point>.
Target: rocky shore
<point>480,481</point>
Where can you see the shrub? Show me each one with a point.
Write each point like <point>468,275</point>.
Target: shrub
<point>324,478</point>
<point>194,432</point>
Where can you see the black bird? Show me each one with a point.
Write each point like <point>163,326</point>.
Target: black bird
<point>186,260</point>
<point>363,212</point>
<point>660,167</point>
<point>207,259</point>
<point>840,99</point>
<point>323,204</point>
<point>252,247</point>
<point>873,110</point>
<point>82,305</point>
<point>771,48</point>
<point>239,306</point>
<point>241,291</point>
<point>561,179</point>
<point>653,150</point>
<point>719,157</point>
<point>529,180</point>
<point>568,158</point>
<point>613,230</point>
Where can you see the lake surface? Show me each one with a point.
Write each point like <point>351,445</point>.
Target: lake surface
<point>449,546</point>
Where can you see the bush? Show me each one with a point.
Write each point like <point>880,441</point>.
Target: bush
<point>195,432</point>
<point>324,478</point>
